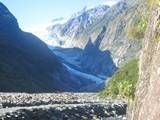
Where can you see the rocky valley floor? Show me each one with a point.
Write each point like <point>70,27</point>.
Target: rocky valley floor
<point>60,106</point>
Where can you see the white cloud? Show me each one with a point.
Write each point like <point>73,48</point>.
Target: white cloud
<point>41,30</point>
<point>110,2</point>
<point>38,30</point>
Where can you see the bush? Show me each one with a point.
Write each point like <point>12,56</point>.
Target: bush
<point>137,30</point>
<point>123,83</point>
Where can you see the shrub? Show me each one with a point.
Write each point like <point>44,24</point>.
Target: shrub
<point>137,30</point>
<point>123,83</point>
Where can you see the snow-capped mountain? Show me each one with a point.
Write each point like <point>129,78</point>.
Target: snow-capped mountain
<point>77,30</point>
<point>61,32</point>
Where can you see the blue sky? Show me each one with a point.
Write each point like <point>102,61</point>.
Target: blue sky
<point>38,12</point>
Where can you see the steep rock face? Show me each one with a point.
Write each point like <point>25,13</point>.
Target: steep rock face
<point>147,105</point>
<point>26,63</point>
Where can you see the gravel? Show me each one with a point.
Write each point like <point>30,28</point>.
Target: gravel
<point>60,106</point>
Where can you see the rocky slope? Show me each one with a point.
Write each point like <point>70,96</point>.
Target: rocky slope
<point>26,63</point>
<point>147,96</point>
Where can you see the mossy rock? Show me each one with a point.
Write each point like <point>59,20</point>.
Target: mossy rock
<point>137,29</point>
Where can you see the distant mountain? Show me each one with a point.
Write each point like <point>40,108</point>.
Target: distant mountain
<point>26,63</point>
<point>64,33</point>
<point>87,25</point>
<point>96,64</point>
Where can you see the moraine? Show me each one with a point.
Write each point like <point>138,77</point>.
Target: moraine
<point>60,106</point>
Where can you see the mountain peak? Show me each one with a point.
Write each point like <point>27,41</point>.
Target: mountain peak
<point>90,10</point>
<point>121,5</point>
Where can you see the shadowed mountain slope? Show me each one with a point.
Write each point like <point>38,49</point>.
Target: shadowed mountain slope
<point>26,63</point>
